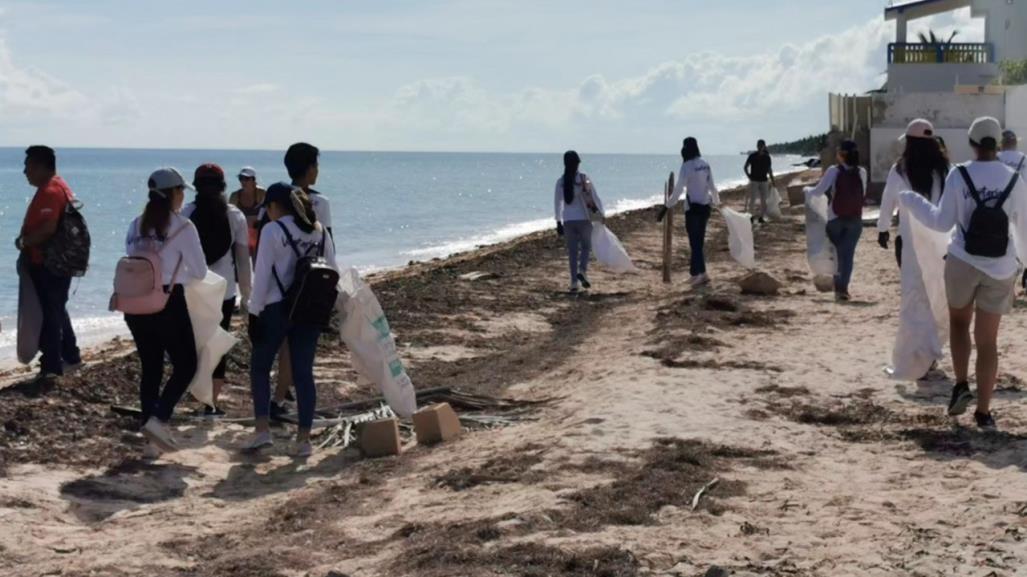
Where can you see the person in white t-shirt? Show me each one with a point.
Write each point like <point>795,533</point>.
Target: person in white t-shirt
<point>301,161</point>
<point>224,235</point>
<point>1010,156</point>
<point>170,331</point>
<point>695,182</point>
<point>292,232</point>
<point>984,201</point>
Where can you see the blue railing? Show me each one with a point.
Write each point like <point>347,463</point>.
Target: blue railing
<point>964,53</point>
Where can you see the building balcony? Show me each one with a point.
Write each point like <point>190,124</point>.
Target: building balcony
<point>964,53</point>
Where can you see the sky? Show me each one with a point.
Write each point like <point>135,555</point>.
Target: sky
<point>442,75</point>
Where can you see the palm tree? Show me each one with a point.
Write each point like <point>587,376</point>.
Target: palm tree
<point>943,48</point>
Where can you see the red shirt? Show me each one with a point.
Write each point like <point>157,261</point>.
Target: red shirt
<point>47,205</point>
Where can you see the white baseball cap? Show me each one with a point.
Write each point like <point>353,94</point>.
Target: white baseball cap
<point>986,127</point>
<point>248,172</point>
<point>920,128</point>
<point>165,178</point>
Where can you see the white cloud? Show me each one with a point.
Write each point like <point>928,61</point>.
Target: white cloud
<point>262,88</point>
<point>27,93</point>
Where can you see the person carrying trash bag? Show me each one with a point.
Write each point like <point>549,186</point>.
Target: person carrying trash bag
<point>576,205</point>
<point>164,254</point>
<point>295,289</point>
<point>844,185</point>
<point>984,202</point>
<point>702,196</point>
<point>923,315</point>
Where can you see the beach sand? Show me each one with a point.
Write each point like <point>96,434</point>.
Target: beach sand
<point>823,465</point>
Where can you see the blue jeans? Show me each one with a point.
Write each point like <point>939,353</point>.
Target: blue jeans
<point>275,328</point>
<point>57,339</point>
<point>579,246</point>
<point>844,234</point>
<point>696,218</point>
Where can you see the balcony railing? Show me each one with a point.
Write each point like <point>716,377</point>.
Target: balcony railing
<point>904,53</point>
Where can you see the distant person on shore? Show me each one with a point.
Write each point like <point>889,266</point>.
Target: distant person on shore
<point>225,241</point>
<point>1010,154</point>
<point>759,169</point>
<point>923,169</point>
<point>249,199</point>
<point>982,199</point>
<point>845,186</point>
<point>57,342</point>
<point>696,178</point>
<point>293,234</point>
<point>168,333</point>
<point>576,206</point>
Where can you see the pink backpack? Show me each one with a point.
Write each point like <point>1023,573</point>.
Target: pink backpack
<point>138,289</point>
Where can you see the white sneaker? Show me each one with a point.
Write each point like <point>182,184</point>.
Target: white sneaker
<point>72,369</point>
<point>159,434</point>
<point>258,442</point>
<point>575,287</point>
<point>700,280</point>
<point>302,450</point>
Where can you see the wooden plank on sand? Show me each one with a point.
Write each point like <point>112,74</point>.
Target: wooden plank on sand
<point>668,230</point>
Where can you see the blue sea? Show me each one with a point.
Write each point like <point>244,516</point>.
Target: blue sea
<point>388,208</point>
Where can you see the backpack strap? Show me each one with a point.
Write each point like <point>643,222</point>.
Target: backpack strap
<point>1008,191</point>
<point>324,239</point>
<point>970,184</point>
<point>1019,167</point>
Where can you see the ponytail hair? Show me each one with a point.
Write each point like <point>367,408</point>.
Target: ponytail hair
<point>301,209</point>
<point>211,219</point>
<point>157,214</point>
<point>571,162</point>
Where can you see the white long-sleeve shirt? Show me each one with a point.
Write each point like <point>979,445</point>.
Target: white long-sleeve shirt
<point>895,184</point>
<point>957,206</point>
<point>576,210</point>
<point>322,208</point>
<point>827,183</point>
<point>237,259</point>
<point>184,247</point>
<point>695,177</point>
<point>275,252</point>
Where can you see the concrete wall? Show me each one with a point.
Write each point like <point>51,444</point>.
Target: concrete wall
<point>1016,110</point>
<point>939,77</point>
<point>1005,26</point>
<point>886,148</point>
<point>943,109</point>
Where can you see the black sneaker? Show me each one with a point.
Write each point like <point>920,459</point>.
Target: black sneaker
<point>985,422</point>
<point>289,396</point>
<point>961,398</point>
<point>210,412</point>
<point>277,412</point>
<point>584,281</point>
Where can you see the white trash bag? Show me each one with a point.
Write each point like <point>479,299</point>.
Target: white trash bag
<point>823,262</point>
<point>774,204</point>
<point>204,299</point>
<point>609,251</point>
<point>366,332</point>
<point>739,231</point>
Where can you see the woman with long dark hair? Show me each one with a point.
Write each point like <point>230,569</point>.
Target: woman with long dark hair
<point>168,332</point>
<point>577,205</point>
<point>223,233</point>
<point>292,233</point>
<point>845,185</point>
<point>922,168</point>
<point>696,177</point>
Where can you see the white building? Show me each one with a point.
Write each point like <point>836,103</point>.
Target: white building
<point>947,83</point>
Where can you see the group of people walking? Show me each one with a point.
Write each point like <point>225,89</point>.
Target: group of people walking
<point>259,241</point>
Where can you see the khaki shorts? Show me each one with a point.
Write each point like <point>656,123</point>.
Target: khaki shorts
<point>965,285</point>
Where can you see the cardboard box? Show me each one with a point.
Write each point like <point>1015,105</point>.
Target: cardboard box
<point>380,438</point>
<point>436,424</point>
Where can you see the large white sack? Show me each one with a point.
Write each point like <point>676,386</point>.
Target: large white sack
<point>30,317</point>
<point>823,262</point>
<point>204,299</point>
<point>366,332</point>
<point>774,204</point>
<point>739,237</point>
<point>609,251</point>
<point>924,315</point>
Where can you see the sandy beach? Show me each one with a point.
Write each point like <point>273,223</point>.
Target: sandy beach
<point>807,460</point>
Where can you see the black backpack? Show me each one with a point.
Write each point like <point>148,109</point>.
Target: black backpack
<point>988,233</point>
<point>67,251</point>
<point>315,286</point>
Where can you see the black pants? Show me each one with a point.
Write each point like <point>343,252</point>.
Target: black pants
<point>227,308</point>
<point>898,250</point>
<point>57,338</point>
<point>696,219</point>
<point>169,331</point>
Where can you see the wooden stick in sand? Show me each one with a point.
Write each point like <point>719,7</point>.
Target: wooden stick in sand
<point>702,491</point>
<point>668,230</point>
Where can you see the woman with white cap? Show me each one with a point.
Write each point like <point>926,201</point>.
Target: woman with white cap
<point>168,332</point>
<point>922,168</point>
<point>249,199</point>
<point>984,201</point>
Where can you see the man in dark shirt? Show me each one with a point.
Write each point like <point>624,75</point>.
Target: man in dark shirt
<point>761,178</point>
